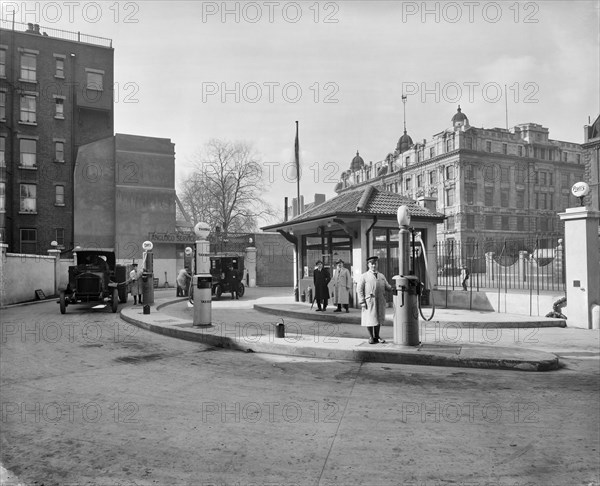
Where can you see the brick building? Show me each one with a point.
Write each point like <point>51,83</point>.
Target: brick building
<point>490,183</point>
<point>56,94</point>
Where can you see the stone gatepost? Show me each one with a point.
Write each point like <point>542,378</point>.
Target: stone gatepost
<point>53,252</point>
<point>582,258</point>
<point>250,265</point>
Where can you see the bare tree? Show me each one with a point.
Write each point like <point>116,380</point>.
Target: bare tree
<point>226,188</point>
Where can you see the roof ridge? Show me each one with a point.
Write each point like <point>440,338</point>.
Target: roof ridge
<point>364,199</point>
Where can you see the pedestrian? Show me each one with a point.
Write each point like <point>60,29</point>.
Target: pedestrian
<point>341,283</point>
<point>183,282</point>
<point>321,280</point>
<point>464,275</point>
<point>371,289</point>
<point>233,282</point>
<point>135,277</point>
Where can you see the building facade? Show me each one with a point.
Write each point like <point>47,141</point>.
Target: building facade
<point>56,94</point>
<point>489,183</point>
<point>591,147</point>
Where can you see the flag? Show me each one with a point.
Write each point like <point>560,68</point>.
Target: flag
<point>297,153</point>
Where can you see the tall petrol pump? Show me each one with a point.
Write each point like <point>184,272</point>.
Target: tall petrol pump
<point>408,289</point>
<point>148,273</point>
<point>202,278</point>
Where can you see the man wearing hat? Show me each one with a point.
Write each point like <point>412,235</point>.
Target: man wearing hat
<point>135,277</point>
<point>371,289</point>
<point>341,284</point>
<point>321,279</point>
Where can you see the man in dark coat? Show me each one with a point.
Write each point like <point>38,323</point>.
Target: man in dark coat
<point>321,279</point>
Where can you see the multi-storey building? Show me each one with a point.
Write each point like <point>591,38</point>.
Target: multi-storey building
<point>56,94</point>
<point>490,183</point>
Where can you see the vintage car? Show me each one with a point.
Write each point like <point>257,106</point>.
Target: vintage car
<point>95,279</point>
<point>221,266</point>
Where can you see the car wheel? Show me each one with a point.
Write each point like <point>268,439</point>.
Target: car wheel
<point>123,294</point>
<point>115,300</point>
<point>63,303</point>
<point>241,289</point>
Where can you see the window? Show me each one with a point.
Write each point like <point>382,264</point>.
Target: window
<point>59,236</point>
<point>28,198</point>
<point>432,177</point>
<point>2,196</point>
<point>450,144</point>
<point>489,222</point>
<point>2,152</point>
<point>578,158</point>
<point>3,63</point>
<point>450,223</point>
<point>488,146</point>
<point>28,152</point>
<point>420,180</point>
<point>520,199</point>
<point>489,173</point>
<point>543,224</point>
<point>28,240</point>
<point>470,221</point>
<point>489,196</point>
<point>521,224</point>
<point>59,151</point>
<point>504,174</point>
<point>564,156</point>
<point>470,172</point>
<point>520,149</point>
<point>407,183</point>
<point>59,108</point>
<point>449,172</point>
<point>407,160</point>
<point>28,108</point>
<point>28,67</point>
<point>469,193</point>
<point>469,142</point>
<point>95,80</point>
<point>550,156</point>
<point>504,198</point>
<point>541,178</point>
<point>504,148</point>
<point>59,198</point>
<point>60,68</point>
<point>2,105</point>
<point>541,201</point>
<point>564,181</point>
<point>431,152</point>
<point>504,222</point>
<point>543,153</point>
<point>450,196</point>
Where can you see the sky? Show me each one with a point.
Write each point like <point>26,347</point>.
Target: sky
<point>192,71</point>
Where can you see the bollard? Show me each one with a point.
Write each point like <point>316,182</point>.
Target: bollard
<point>146,309</point>
<point>203,300</point>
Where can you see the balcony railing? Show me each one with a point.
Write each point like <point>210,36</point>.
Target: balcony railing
<point>35,29</point>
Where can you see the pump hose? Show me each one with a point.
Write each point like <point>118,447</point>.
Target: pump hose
<point>429,282</point>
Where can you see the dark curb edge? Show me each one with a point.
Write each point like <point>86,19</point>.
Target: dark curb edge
<point>412,356</point>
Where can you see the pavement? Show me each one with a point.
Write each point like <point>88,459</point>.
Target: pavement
<point>454,337</point>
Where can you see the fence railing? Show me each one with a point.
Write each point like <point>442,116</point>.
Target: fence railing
<point>534,263</point>
<point>56,33</point>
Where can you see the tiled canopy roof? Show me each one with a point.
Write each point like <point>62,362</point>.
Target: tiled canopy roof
<point>368,201</point>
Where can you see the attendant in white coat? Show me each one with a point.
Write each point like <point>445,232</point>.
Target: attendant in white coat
<point>341,283</point>
<point>371,289</point>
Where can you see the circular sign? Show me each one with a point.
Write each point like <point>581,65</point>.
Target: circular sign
<point>580,189</point>
<point>147,245</point>
<point>202,230</point>
<point>188,250</point>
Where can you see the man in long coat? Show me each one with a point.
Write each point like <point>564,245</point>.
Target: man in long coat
<point>135,278</point>
<point>321,279</point>
<point>341,283</point>
<point>371,289</point>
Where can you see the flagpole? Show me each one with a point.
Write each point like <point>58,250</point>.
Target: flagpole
<point>297,159</point>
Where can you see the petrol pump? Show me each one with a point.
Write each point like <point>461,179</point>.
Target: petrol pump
<point>202,278</point>
<point>408,288</point>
